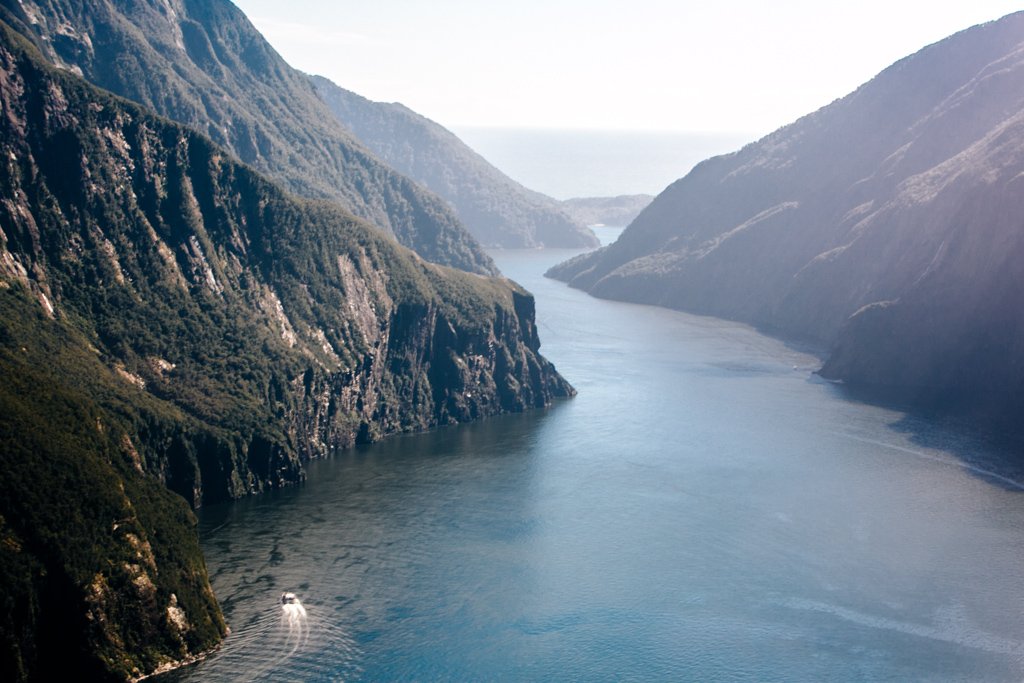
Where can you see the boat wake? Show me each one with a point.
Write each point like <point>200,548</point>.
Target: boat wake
<point>295,627</point>
<point>294,615</point>
<point>283,643</point>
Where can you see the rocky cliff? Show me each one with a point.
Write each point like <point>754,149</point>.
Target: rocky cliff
<point>886,226</point>
<point>201,63</point>
<point>496,209</point>
<point>172,316</point>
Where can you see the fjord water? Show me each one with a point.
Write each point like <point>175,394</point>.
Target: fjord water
<point>705,510</point>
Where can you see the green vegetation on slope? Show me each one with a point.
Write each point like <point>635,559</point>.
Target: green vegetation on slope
<point>101,576</point>
<point>201,63</point>
<point>215,290</point>
<point>496,209</point>
<point>168,313</point>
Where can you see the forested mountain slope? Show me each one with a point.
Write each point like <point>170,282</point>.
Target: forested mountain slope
<point>203,64</point>
<point>169,315</point>
<point>496,209</point>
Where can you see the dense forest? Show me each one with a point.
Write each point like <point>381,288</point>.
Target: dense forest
<point>203,64</point>
<point>173,319</point>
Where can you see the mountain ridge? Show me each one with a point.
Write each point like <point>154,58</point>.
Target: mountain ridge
<point>848,212</point>
<point>496,209</point>
<point>203,64</point>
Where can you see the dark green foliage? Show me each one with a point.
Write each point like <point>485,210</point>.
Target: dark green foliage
<point>201,63</point>
<point>91,550</point>
<point>180,267</point>
<point>168,315</point>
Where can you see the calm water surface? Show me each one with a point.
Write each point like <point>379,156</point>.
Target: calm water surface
<point>704,510</point>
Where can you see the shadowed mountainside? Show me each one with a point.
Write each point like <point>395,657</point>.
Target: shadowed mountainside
<point>201,63</point>
<point>496,209</point>
<point>887,225</point>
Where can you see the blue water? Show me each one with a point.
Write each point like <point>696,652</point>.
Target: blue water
<point>596,163</point>
<point>704,510</point>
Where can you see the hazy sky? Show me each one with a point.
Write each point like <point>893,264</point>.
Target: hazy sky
<point>732,65</point>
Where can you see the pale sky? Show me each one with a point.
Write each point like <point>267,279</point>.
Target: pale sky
<point>745,66</point>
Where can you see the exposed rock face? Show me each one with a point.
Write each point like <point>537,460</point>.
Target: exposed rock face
<point>169,312</point>
<point>130,223</point>
<point>618,211</point>
<point>201,63</point>
<point>887,225</point>
<point>496,209</point>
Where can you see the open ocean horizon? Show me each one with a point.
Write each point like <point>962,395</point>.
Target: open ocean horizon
<point>564,163</point>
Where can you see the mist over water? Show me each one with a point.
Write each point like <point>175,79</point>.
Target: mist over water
<point>705,509</point>
<point>596,163</point>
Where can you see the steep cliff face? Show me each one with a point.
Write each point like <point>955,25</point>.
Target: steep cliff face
<point>897,205</point>
<point>176,315</point>
<point>496,209</point>
<point>201,63</point>
<point>210,287</point>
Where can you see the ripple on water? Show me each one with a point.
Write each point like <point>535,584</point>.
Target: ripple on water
<point>283,643</point>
